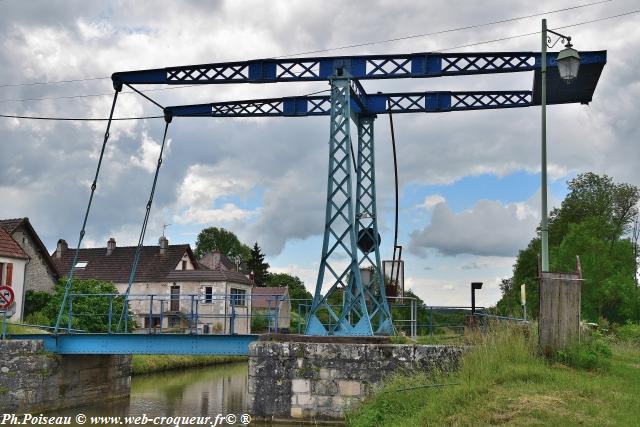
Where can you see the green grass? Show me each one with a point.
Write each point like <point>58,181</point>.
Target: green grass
<point>503,381</point>
<point>144,364</point>
<point>17,329</point>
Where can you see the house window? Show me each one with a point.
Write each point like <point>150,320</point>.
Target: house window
<point>82,264</point>
<point>155,322</point>
<point>184,265</point>
<point>208,294</point>
<point>6,274</point>
<point>238,297</point>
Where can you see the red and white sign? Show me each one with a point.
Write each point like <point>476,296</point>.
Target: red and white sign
<point>6,297</point>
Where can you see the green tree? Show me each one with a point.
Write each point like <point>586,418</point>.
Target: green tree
<point>88,312</point>
<point>297,291</point>
<point>225,241</point>
<point>594,221</point>
<point>257,266</point>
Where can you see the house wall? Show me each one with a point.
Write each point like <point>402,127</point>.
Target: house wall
<point>17,284</point>
<point>189,264</point>
<point>215,314</point>
<point>284,314</point>
<point>39,275</point>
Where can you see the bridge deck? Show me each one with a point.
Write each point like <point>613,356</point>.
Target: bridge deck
<point>235,345</point>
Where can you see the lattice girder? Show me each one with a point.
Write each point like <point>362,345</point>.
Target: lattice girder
<point>367,226</point>
<point>350,316</point>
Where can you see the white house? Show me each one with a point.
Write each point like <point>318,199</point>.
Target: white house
<point>186,294</point>
<point>13,263</point>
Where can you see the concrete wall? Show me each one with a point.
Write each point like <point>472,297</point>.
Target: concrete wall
<point>32,380</point>
<point>39,275</point>
<point>322,380</point>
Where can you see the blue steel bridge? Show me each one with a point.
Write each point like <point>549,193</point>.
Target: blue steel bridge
<point>350,226</point>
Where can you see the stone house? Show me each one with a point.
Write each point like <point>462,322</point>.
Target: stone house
<point>216,260</point>
<point>41,273</point>
<point>13,262</point>
<point>273,303</point>
<point>171,289</point>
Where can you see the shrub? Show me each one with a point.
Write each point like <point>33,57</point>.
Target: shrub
<point>630,332</point>
<point>35,301</point>
<point>37,318</point>
<point>592,353</point>
<point>259,323</point>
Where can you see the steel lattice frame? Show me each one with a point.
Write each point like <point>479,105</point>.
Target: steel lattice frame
<point>363,307</point>
<point>339,243</point>
<point>367,226</point>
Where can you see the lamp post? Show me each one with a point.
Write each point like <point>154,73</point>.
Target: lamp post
<point>568,63</point>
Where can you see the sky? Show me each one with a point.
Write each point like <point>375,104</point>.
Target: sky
<point>469,181</point>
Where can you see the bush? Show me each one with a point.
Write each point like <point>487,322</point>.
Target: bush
<point>37,318</point>
<point>592,353</point>
<point>259,323</point>
<point>89,312</point>
<point>35,301</point>
<point>630,332</point>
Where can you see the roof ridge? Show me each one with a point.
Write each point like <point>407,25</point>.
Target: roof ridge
<point>127,247</point>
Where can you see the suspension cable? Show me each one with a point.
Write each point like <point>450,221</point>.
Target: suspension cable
<point>143,229</point>
<point>395,173</point>
<point>86,215</point>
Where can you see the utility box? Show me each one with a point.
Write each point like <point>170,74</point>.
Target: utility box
<point>559,321</point>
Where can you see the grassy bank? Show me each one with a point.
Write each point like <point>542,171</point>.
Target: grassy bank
<point>503,381</point>
<point>19,329</point>
<point>145,364</point>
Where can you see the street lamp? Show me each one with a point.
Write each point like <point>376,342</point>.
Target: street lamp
<point>568,61</point>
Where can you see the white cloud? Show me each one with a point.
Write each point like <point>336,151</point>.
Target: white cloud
<point>488,228</point>
<point>431,201</point>
<point>202,186</point>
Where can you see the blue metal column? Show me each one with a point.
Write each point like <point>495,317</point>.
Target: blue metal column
<point>339,245</point>
<point>367,229</point>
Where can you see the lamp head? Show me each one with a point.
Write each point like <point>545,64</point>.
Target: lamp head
<point>568,63</point>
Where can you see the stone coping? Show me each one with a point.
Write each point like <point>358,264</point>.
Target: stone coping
<point>325,339</point>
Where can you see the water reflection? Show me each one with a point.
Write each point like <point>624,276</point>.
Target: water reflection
<point>206,391</point>
<point>200,391</point>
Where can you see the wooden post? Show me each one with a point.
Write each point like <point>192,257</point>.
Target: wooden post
<point>559,322</point>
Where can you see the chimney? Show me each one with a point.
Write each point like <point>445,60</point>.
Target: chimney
<point>164,244</point>
<point>61,248</point>
<point>111,246</point>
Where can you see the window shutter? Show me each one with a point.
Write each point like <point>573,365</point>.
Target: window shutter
<point>9,274</point>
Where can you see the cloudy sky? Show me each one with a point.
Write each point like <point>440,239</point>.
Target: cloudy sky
<point>469,180</point>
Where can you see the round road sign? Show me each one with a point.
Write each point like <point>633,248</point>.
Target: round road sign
<point>6,297</point>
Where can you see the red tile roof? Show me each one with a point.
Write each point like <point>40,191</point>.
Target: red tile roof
<point>153,266</point>
<point>9,247</point>
<point>13,224</point>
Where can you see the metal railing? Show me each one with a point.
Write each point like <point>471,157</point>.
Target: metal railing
<point>229,314</point>
<point>177,313</point>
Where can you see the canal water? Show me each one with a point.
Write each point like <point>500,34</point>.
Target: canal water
<point>194,392</point>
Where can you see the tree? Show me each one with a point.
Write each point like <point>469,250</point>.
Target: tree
<point>257,266</point>
<point>298,293</point>
<point>595,221</point>
<point>89,313</point>
<point>224,241</point>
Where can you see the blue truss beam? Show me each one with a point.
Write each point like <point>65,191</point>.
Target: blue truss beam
<point>236,345</point>
<point>411,102</point>
<point>366,67</point>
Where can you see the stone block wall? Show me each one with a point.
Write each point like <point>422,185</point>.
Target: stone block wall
<point>321,380</point>
<point>33,380</point>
